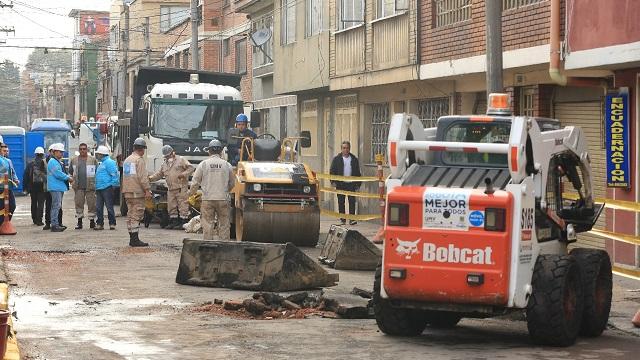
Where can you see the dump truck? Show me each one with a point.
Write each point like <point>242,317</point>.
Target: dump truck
<point>477,226</point>
<point>275,199</point>
<point>182,108</point>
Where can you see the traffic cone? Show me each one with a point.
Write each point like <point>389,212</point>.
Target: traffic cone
<point>636,319</point>
<point>7,227</point>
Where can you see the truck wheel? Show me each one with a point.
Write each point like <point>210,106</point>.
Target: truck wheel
<point>595,268</point>
<point>442,319</point>
<point>395,321</point>
<point>554,311</point>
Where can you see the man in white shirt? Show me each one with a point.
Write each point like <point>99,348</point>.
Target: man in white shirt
<point>346,164</point>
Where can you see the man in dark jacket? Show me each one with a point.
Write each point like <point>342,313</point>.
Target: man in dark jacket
<point>35,177</point>
<point>346,164</point>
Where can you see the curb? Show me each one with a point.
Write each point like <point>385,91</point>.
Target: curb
<point>13,351</point>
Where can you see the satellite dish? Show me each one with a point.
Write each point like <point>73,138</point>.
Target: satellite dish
<point>261,36</point>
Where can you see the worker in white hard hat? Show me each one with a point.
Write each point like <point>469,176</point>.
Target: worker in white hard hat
<point>215,175</point>
<point>107,179</point>
<point>57,184</point>
<point>176,170</point>
<point>35,184</point>
<point>83,169</point>
<point>135,188</point>
<point>48,200</point>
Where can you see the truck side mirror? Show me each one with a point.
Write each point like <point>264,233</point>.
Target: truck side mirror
<point>305,140</point>
<point>256,119</point>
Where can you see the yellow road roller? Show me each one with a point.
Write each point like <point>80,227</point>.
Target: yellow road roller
<point>275,197</point>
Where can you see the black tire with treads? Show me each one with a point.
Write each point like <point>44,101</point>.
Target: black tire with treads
<point>395,321</point>
<point>554,310</point>
<point>597,283</point>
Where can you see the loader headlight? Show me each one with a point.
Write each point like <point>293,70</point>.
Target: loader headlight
<point>398,214</point>
<point>495,219</point>
<point>257,187</point>
<point>306,189</point>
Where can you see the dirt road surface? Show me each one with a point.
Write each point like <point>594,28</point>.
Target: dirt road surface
<point>87,295</point>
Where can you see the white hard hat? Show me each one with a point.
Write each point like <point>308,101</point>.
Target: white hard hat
<point>102,150</point>
<point>51,147</point>
<point>39,150</point>
<point>57,147</point>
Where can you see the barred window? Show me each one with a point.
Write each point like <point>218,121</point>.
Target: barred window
<point>350,13</point>
<point>527,107</point>
<point>390,7</point>
<point>379,130</point>
<point>263,55</point>
<point>514,4</point>
<point>449,12</point>
<point>288,23</point>
<point>314,17</point>
<point>429,110</point>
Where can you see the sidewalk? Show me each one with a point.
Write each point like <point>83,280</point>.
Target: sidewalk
<point>626,292</point>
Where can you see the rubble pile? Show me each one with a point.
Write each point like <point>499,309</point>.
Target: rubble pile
<point>300,305</point>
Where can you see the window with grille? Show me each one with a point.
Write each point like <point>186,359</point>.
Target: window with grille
<point>379,130</point>
<point>350,13</point>
<point>314,17</point>
<point>185,59</point>
<point>390,7</point>
<point>514,4</point>
<point>449,12</point>
<point>527,100</point>
<point>429,110</point>
<point>288,28</point>
<point>225,47</point>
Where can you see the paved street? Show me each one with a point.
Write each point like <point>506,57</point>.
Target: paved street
<point>83,294</point>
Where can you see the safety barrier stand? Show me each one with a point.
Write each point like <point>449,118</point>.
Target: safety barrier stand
<point>625,238</point>
<point>7,227</point>
<point>361,217</point>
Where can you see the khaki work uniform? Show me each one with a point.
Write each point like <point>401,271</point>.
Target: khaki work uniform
<point>135,183</point>
<point>216,178</point>
<point>84,189</point>
<point>176,171</point>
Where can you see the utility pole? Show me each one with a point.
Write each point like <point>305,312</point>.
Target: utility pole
<point>494,46</point>
<point>195,57</point>
<point>147,41</point>
<point>55,94</point>
<point>122,98</point>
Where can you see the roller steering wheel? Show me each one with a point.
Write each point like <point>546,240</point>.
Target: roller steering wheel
<point>266,136</point>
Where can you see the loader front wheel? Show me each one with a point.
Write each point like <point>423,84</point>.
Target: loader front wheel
<point>597,284</point>
<point>395,321</point>
<point>555,307</point>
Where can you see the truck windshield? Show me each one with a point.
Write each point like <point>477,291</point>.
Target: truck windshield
<point>491,133</point>
<point>194,119</point>
<point>52,137</point>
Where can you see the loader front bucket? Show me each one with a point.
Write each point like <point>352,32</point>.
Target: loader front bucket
<point>347,249</point>
<point>249,266</point>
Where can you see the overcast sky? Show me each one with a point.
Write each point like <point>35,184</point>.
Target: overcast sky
<point>57,30</point>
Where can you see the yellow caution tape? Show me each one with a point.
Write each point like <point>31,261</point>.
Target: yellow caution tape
<point>349,216</point>
<point>346,178</point>
<point>351,193</point>
<point>633,274</point>
<point>609,203</point>
<point>629,239</point>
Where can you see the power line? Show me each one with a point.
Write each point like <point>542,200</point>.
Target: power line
<point>72,48</point>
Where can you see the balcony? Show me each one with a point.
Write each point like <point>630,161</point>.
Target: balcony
<point>350,48</point>
<point>391,41</point>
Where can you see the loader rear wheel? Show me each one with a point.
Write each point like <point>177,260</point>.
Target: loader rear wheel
<point>442,319</point>
<point>395,321</point>
<point>597,282</point>
<point>554,311</point>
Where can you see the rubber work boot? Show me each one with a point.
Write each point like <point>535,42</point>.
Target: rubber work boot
<point>55,228</point>
<point>79,226</point>
<point>173,222</point>
<point>181,223</point>
<point>47,226</point>
<point>134,241</point>
<point>92,223</point>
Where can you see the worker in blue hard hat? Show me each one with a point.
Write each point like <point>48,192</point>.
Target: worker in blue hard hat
<point>234,139</point>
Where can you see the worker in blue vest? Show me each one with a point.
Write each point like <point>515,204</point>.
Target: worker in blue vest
<point>6,168</point>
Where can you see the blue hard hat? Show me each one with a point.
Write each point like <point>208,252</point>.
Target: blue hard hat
<point>242,118</point>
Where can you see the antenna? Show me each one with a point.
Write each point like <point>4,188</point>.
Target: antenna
<point>260,37</point>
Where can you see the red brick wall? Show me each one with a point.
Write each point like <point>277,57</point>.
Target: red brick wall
<point>521,28</point>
